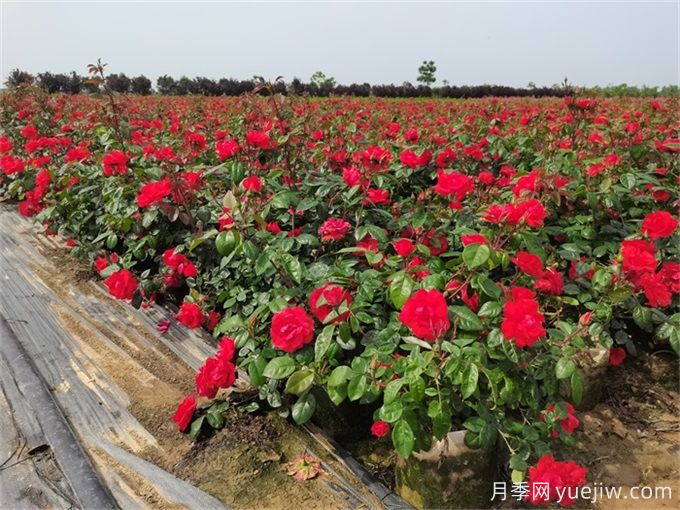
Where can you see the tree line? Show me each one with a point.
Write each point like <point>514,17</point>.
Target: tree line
<point>319,86</point>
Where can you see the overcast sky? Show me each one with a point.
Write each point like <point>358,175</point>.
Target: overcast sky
<point>509,43</point>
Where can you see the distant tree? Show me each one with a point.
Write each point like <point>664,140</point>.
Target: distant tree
<point>257,79</point>
<point>17,78</point>
<point>166,85</point>
<point>53,83</point>
<point>140,85</point>
<point>119,83</point>
<point>426,72</point>
<point>74,85</point>
<point>322,81</point>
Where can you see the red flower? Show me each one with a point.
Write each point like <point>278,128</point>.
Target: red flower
<point>568,424</point>
<point>213,320</point>
<point>115,162</point>
<point>638,256</point>
<point>426,314</point>
<point>334,297</point>
<point>153,192</point>
<point>522,320</point>
<point>529,263</point>
<point>468,239</point>
<point>252,183</point>
<point>659,224</point>
<point>227,349</point>
<point>121,284</point>
<point>556,477</point>
<point>670,274</point>
<point>380,428</point>
<point>655,289</point>
<point>550,282</point>
<point>617,355</point>
<point>101,263</point>
<point>215,373</point>
<point>184,413</point>
<point>259,139</point>
<point>377,197</point>
<point>333,229</point>
<point>190,315</point>
<point>291,329</point>
<point>531,212</point>
<point>403,247</point>
<point>227,149</point>
<point>179,262</point>
<point>454,183</point>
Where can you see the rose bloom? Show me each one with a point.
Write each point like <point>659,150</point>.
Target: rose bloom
<point>101,263</point>
<point>115,162</point>
<point>215,373</point>
<point>550,282</point>
<point>380,428</point>
<point>252,183</point>
<point>226,349</point>
<point>670,274</point>
<point>522,320</point>
<point>468,239</point>
<point>655,289</point>
<point>190,315</point>
<point>426,314</point>
<point>377,197</point>
<point>335,296</point>
<point>568,424</point>
<point>184,413</point>
<point>259,139</point>
<point>153,192</point>
<point>403,247</point>
<point>529,263</point>
<point>617,355</point>
<point>454,183</point>
<point>333,229</point>
<point>659,224</point>
<point>554,475</point>
<point>179,262</point>
<point>291,329</point>
<point>227,148</point>
<point>121,284</point>
<point>638,256</point>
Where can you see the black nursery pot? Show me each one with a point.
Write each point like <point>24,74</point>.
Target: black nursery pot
<point>349,420</point>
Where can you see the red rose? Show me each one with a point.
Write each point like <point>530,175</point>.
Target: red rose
<point>426,314</point>
<point>553,475</point>
<point>227,349</point>
<point>153,192</point>
<point>617,355</point>
<point>550,282</point>
<point>380,428</point>
<point>638,256</point>
<point>670,274</point>
<point>529,263</point>
<point>213,320</point>
<point>226,149</point>
<point>215,373</point>
<point>259,139</point>
<point>468,239</point>
<point>522,320</point>
<point>100,264</point>
<point>184,413</point>
<point>454,183</point>
<point>334,297</point>
<point>377,197</point>
<point>252,183</point>
<point>333,229</point>
<point>115,162</point>
<point>659,224</point>
<point>403,247</point>
<point>291,329</point>
<point>655,289</point>
<point>190,315</point>
<point>531,212</point>
<point>568,424</point>
<point>121,284</point>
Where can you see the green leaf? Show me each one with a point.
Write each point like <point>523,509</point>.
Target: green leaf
<point>215,419</point>
<point>400,289</point>
<point>357,387</point>
<point>339,375</point>
<point>226,242</point>
<point>392,390</point>
<point>470,380</point>
<point>601,280</point>
<point>323,341</point>
<point>490,309</point>
<point>196,426</point>
<point>403,438</point>
<point>279,368</point>
<point>564,368</point>
<point>475,255</point>
<point>576,383</point>
<point>489,287</point>
<point>391,412</point>
<point>304,408</point>
<point>468,320</point>
<point>300,381</point>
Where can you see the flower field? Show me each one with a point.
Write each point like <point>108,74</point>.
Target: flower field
<point>450,264</point>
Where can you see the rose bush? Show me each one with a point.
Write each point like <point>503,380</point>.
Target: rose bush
<point>453,263</point>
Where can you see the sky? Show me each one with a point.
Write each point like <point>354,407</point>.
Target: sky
<point>504,42</point>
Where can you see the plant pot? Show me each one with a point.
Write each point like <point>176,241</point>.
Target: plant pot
<point>349,420</point>
<point>448,476</point>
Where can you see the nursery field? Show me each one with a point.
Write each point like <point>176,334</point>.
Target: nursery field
<point>462,293</point>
